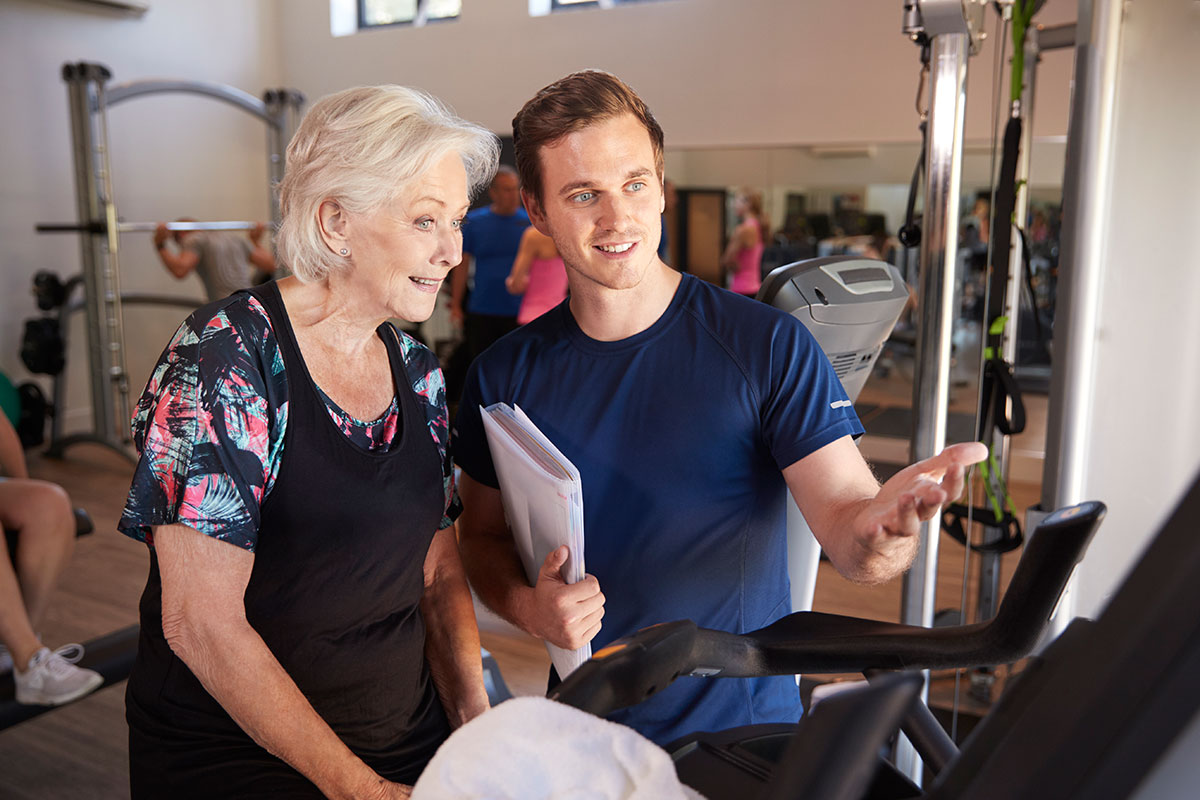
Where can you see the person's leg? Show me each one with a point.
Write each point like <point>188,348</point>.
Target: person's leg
<point>16,633</point>
<point>42,513</point>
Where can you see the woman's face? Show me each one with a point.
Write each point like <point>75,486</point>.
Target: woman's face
<point>403,252</point>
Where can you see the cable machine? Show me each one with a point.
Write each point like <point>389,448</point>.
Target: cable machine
<point>99,228</point>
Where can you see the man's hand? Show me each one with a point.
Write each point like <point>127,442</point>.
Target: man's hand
<point>565,614</point>
<point>916,493</point>
<point>161,234</point>
<point>256,233</point>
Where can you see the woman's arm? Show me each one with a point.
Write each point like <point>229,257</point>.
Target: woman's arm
<point>518,280</point>
<point>742,239</point>
<point>204,620</point>
<point>452,636</point>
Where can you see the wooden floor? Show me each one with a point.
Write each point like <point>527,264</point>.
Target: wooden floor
<point>80,751</point>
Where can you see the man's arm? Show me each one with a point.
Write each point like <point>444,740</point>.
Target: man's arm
<point>452,636</point>
<point>260,256</point>
<point>566,615</point>
<point>204,620</point>
<point>458,289</point>
<point>870,532</point>
<point>178,264</point>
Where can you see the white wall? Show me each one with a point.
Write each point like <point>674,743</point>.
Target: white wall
<point>715,73</point>
<point>1143,442</point>
<point>170,155</point>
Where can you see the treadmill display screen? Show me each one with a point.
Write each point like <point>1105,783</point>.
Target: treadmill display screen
<point>862,275</point>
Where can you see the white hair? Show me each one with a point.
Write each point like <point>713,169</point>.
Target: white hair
<point>360,148</point>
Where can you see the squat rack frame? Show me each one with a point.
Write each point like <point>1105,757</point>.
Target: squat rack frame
<point>89,98</point>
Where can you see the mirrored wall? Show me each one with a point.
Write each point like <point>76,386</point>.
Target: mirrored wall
<point>829,200</point>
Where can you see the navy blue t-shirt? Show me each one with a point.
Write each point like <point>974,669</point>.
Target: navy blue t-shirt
<point>493,240</point>
<point>680,434</point>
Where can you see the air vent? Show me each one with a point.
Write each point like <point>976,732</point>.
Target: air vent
<point>843,363</point>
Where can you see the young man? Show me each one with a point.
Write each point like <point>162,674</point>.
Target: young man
<point>688,410</point>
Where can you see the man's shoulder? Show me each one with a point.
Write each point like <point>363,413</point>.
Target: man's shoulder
<point>733,314</point>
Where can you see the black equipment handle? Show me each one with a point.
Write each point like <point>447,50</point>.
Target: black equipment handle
<point>631,669</point>
<point>97,227</point>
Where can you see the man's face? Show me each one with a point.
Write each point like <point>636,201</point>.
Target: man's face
<point>602,203</point>
<point>505,194</point>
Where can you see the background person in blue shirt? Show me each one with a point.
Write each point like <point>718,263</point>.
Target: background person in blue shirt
<point>689,411</point>
<point>491,237</point>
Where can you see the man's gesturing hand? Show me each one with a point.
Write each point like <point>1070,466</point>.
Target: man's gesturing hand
<point>915,493</point>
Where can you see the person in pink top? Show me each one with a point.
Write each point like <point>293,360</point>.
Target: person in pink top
<point>538,272</point>
<point>743,254</point>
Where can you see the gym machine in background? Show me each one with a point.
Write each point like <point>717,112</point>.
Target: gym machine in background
<point>99,228</point>
<point>948,31</point>
<point>850,305</point>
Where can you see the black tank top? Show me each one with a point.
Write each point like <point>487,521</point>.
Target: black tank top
<point>334,592</point>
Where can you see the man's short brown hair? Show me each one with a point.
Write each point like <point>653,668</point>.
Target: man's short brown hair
<point>571,104</point>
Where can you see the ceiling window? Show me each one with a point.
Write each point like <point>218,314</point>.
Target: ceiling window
<point>540,8</point>
<point>380,13</point>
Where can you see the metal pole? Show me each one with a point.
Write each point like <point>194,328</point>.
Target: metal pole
<point>1087,184</point>
<point>103,227</point>
<point>276,145</point>
<point>939,252</point>
<point>236,97</point>
<point>283,106</point>
<point>117,430</point>
<point>80,94</point>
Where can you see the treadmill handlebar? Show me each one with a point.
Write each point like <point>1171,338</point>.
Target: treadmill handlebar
<point>633,668</point>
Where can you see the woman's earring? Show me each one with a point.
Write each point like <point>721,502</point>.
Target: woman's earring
<point>344,251</point>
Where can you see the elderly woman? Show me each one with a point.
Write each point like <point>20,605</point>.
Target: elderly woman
<point>306,626</point>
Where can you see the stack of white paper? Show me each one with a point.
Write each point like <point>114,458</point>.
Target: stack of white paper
<point>543,500</point>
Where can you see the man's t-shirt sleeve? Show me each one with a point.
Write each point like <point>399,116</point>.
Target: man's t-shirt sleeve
<point>804,404</point>
<point>470,446</point>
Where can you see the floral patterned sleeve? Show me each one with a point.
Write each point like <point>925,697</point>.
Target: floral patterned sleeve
<point>209,427</point>
<point>425,376</point>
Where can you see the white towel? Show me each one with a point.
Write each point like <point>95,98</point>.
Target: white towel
<point>532,748</point>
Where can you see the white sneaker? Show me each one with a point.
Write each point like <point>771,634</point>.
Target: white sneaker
<point>52,678</point>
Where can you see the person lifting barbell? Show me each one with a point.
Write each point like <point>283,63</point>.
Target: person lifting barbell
<point>224,261</point>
